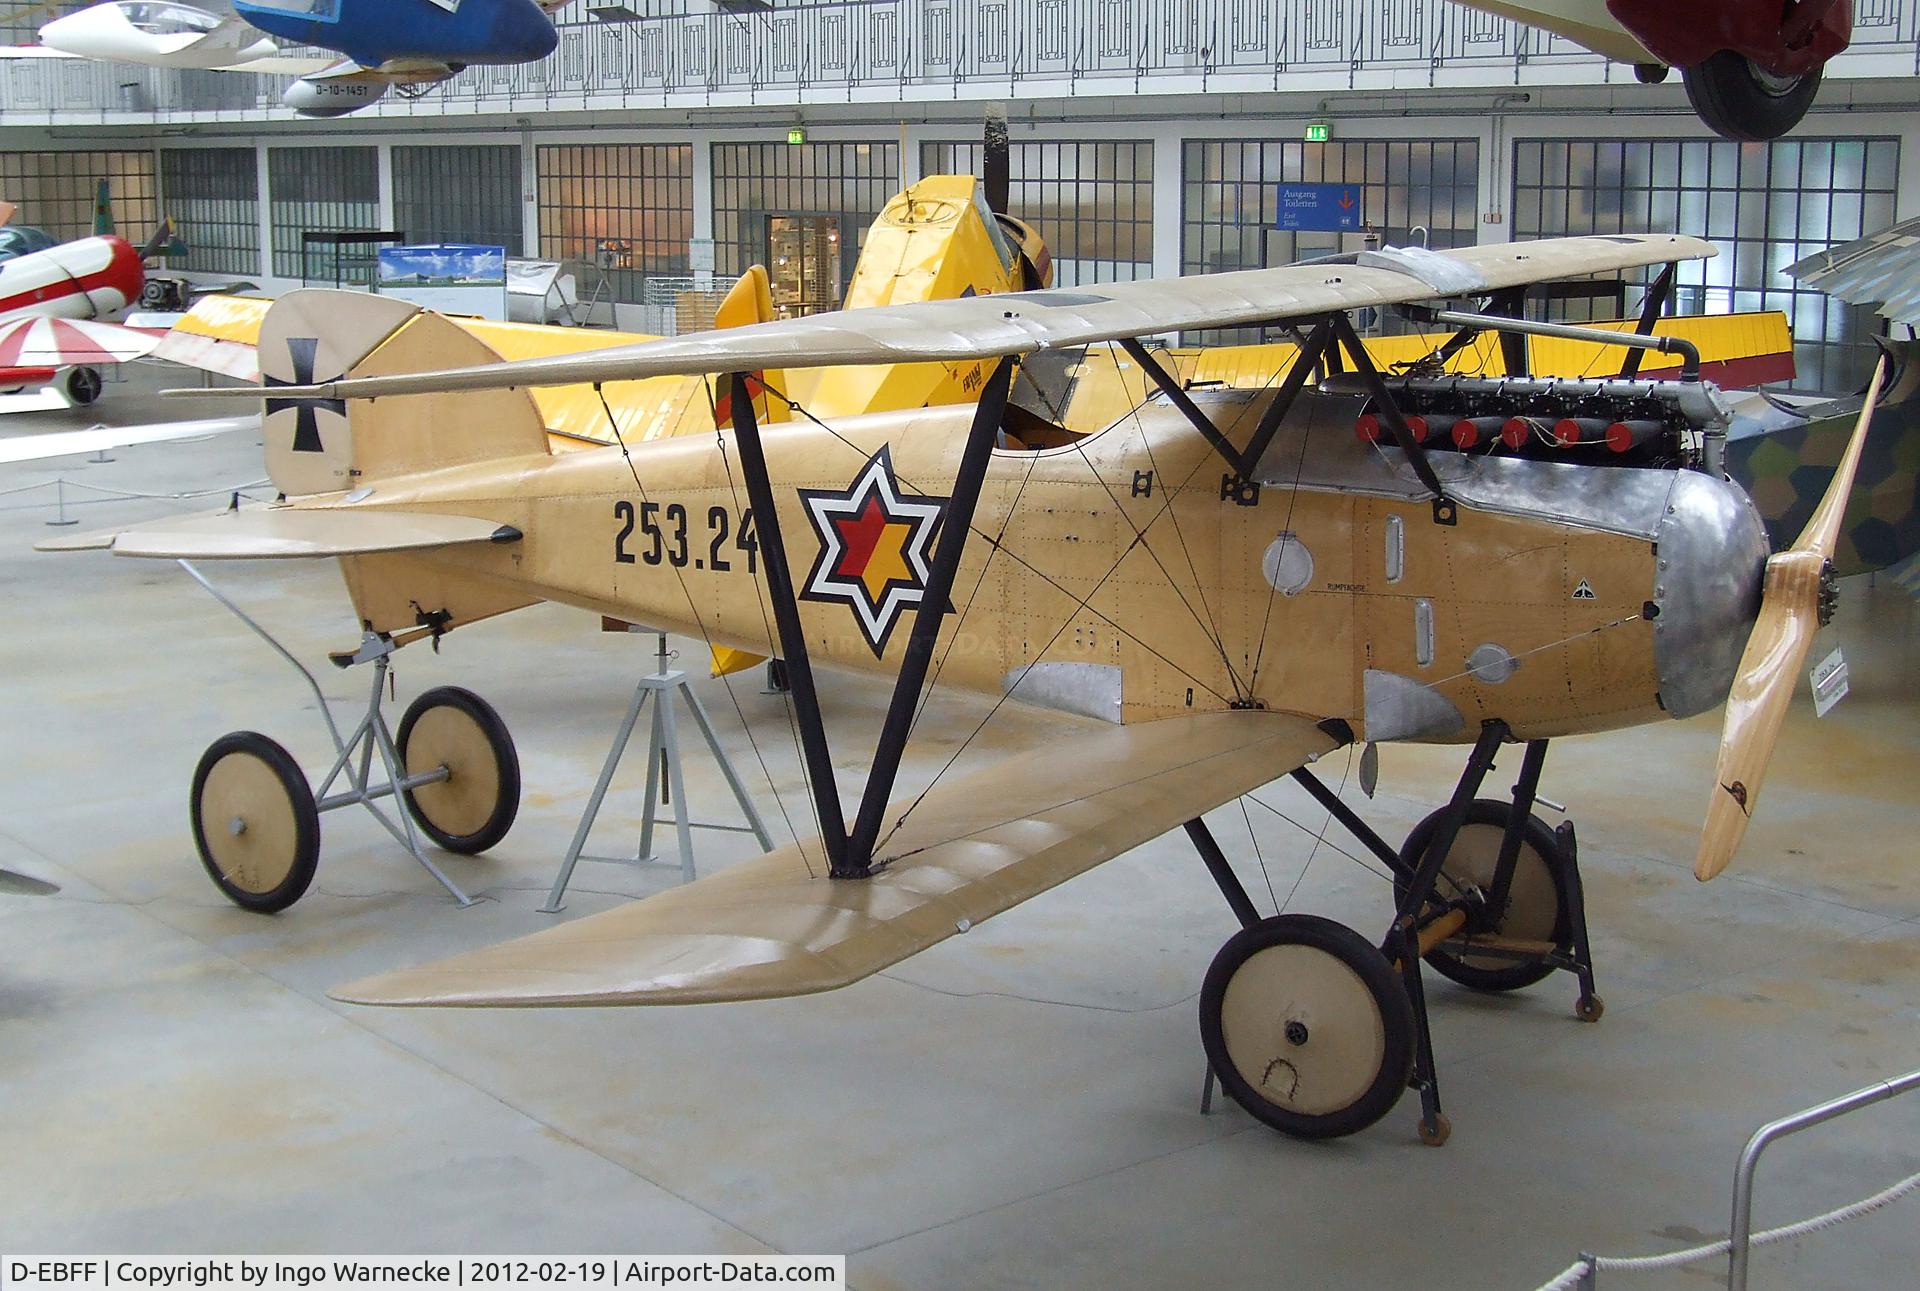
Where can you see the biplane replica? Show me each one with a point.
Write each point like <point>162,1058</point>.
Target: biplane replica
<point>1236,581</point>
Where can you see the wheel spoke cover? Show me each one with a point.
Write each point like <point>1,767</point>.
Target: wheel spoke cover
<point>242,787</point>
<point>464,802</point>
<point>1345,1043</point>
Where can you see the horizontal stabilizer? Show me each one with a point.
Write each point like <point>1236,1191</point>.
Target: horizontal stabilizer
<point>273,533</point>
<point>33,448</point>
<point>777,926</point>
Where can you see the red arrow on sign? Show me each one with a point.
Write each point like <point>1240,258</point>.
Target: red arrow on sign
<point>1346,201</point>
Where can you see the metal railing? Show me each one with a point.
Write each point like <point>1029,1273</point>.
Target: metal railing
<point>1741,1234</point>
<point>805,52</point>
<point>1584,1273</point>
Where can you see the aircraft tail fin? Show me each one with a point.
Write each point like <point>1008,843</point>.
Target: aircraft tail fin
<point>329,445</point>
<point>165,242</point>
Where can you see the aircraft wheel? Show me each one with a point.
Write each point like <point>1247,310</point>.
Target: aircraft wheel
<point>84,385</point>
<point>1307,1026</point>
<point>254,822</point>
<point>1738,99</point>
<point>474,807</point>
<point>1536,902</point>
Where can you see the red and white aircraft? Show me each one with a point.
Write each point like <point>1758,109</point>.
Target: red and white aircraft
<point>53,306</point>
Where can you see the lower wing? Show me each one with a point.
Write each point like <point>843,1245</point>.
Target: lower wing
<point>33,448</point>
<point>41,344</point>
<point>777,926</point>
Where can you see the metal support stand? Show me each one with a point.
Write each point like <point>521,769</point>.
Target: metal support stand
<point>355,753</point>
<point>663,686</point>
<point>60,495</point>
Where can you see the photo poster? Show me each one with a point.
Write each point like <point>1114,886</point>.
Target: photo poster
<point>451,277</point>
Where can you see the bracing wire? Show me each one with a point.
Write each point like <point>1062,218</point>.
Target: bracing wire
<point>1016,557</point>
<point>1320,838</point>
<point>1293,498</point>
<point>1210,625</point>
<point>1253,837</point>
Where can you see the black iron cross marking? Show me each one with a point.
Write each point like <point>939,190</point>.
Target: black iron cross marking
<point>306,432</point>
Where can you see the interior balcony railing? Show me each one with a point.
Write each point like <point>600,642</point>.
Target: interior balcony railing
<point>877,50</point>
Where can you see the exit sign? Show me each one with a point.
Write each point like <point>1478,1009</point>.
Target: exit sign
<point>796,135</point>
<point>1318,132</point>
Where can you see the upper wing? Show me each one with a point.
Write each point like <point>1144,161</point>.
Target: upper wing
<point>222,334</point>
<point>773,926</point>
<point>1882,269</point>
<point>985,327</point>
<point>219,334</point>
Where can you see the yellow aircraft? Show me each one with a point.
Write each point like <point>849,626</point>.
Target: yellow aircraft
<point>1231,578</point>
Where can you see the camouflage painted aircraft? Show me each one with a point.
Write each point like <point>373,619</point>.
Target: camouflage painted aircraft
<point>1784,456</point>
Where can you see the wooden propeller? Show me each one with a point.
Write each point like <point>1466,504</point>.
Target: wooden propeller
<point>1776,652</point>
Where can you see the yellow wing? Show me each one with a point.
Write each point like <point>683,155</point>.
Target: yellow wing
<point>982,844</point>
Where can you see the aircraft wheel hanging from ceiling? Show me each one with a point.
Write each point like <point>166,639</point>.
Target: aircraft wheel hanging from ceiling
<point>1738,99</point>
<point>1537,909</point>
<point>254,822</point>
<point>475,805</point>
<point>1307,1026</point>
<point>84,385</point>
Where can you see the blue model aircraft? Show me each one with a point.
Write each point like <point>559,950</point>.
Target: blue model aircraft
<point>411,44</point>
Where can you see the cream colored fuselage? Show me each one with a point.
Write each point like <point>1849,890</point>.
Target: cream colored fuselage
<point>1109,577</point>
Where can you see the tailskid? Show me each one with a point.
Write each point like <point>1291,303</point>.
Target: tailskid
<point>452,764</point>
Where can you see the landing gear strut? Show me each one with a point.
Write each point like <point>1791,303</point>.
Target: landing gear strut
<point>1316,1031</point>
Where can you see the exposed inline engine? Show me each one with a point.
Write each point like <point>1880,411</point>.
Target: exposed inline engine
<point>1592,420</point>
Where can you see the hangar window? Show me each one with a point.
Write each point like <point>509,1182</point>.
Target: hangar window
<point>1230,215</point>
<point>214,196</point>
<point>625,207</point>
<point>816,199</point>
<point>1092,200</point>
<point>55,190</point>
<point>1765,204</point>
<point>459,194</point>
<point>318,190</point>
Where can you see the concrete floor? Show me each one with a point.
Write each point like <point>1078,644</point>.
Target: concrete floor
<point>1015,1108</point>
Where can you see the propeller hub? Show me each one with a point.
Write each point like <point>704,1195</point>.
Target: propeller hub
<point>1710,562</point>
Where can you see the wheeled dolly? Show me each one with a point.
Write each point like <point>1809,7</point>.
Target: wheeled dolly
<point>256,819</point>
<point>1316,1030</point>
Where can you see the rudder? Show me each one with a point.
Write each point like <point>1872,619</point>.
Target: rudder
<point>328,445</point>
